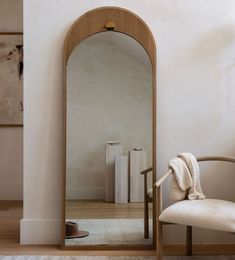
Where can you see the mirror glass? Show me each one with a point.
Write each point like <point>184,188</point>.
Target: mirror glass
<point>108,141</point>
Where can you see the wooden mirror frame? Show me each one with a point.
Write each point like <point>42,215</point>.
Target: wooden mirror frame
<point>122,21</point>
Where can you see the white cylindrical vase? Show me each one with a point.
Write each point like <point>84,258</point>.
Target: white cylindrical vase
<point>113,148</point>
<point>138,163</point>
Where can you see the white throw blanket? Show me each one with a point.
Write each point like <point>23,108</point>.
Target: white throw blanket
<point>186,178</point>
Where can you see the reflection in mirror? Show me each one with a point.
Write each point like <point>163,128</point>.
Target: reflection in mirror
<point>108,141</point>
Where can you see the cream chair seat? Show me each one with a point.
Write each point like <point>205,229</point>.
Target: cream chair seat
<point>208,213</point>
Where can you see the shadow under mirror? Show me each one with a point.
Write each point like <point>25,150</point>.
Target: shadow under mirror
<point>108,141</point>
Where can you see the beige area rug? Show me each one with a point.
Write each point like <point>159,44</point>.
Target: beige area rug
<point>115,258</point>
<point>111,232</point>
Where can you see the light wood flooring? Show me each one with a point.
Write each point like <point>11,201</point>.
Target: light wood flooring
<point>82,209</point>
<point>11,213</point>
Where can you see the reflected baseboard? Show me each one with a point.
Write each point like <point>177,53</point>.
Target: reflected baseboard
<point>85,194</point>
<point>11,191</point>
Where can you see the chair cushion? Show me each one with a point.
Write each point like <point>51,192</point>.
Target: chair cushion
<point>207,213</point>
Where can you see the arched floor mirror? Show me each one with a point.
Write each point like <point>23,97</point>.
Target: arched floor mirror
<point>110,132</point>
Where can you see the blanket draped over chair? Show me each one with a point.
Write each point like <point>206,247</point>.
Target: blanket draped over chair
<point>185,178</point>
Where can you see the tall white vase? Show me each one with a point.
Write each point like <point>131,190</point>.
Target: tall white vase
<point>138,163</point>
<point>121,179</point>
<point>113,148</point>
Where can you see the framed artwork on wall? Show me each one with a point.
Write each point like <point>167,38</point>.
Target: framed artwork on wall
<point>11,79</point>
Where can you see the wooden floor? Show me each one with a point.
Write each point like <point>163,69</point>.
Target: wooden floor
<point>11,213</point>
<point>82,209</point>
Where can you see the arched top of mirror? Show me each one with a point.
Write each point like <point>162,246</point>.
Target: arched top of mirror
<point>110,42</point>
<point>110,18</point>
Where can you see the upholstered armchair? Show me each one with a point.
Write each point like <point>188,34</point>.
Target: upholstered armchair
<point>208,213</point>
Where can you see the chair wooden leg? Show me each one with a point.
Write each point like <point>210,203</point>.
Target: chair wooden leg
<point>189,241</point>
<point>159,245</point>
<point>146,208</point>
<point>146,219</point>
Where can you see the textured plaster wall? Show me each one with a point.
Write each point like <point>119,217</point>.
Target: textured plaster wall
<point>109,98</point>
<point>196,99</point>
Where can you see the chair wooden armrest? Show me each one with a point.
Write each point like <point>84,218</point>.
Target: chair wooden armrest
<point>147,170</point>
<point>163,178</point>
<point>216,158</point>
<point>145,173</point>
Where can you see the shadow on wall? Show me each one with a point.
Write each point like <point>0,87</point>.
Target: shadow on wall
<point>212,44</point>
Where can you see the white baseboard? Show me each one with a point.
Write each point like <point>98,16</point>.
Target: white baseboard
<point>11,191</point>
<point>85,194</point>
<point>40,231</point>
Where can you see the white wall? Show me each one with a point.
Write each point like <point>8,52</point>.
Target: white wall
<point>109,98</point>
<point>196,98</point>
<point>11,138</point>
